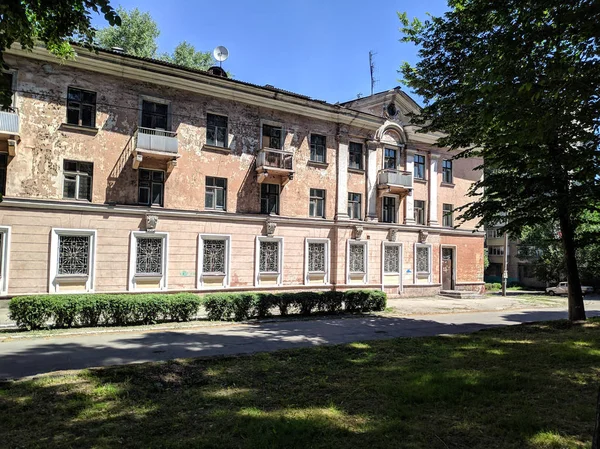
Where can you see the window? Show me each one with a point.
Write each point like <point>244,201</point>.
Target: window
<point>318,148</point>
<point>495,250</point>
<point>8,82</point>
<point>148,260</point>
<point>391,259</point>
<point>357,258</point>
<point>4,256</point>
<point>72,253</point>
<point>354,208</point>
<point>447,219</point>
<point>151,186</point>
<point>447,171</point>
<point>272,137</point>
<point>215,196</point>
<point>3,167</point>
<point>389,210</point>
<point>317,257</point>
<point>316,253</point>
<point>78,180</point>
<point>81,107</point>
<point>149,256</point>
<point>419,166</point>
<point>422,261</point>
<point>269,257</point>
<point>355,151</point>
<point>317,203</point>
<point>269,199</point>
<point>213,259</point>
<point>493,233</point>
<point>419,212</point>
<point>216,130</point>
<point>155,115</point>
<point>269,260</point>
<point>390,160</point>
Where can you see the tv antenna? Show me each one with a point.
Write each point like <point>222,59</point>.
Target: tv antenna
<point>372,70</point>
<point>220,53</point>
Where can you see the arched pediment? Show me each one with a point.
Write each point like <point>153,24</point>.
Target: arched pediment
<point>391,133</point>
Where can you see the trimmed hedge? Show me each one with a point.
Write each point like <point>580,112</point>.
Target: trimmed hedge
<point>33,312</point>
<point>241,306</point>
<point>89,310</point>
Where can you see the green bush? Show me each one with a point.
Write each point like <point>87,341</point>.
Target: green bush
<point>364,300</point>
<point>493,286</point>
<point>34,312</point>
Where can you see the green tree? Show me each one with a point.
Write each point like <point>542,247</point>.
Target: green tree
<point>185,54</point>
<point>136,35</point>
<point>53,23</point>
<point>516,82</point>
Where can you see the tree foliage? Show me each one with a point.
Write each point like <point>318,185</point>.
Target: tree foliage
<point>55,23</point>
<point>136,35</point>
<point>516,82</point>
<point>185,54</point>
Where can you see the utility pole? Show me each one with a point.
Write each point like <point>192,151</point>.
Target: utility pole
<point>505,265</point>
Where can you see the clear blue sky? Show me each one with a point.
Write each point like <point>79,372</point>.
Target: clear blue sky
<point>317,48</point>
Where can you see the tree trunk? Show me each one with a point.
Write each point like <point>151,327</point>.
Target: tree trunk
<point>596,440</point>
<point>576,308</point>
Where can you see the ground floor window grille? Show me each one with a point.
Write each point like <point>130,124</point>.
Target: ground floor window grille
<point>73,255</point>
<point>316,257</point>
<point>423,260</point>
<point>214,256</point>
<point>269,257</point>
<point>149,256</point>
<point>357,258</point>
<point>391,259</point>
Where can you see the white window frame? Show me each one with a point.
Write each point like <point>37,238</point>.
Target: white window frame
<point>257,273</point>
<point>133,277</point>
<point>327,260</point>
<point>78,175</point>
<point>385,244</point>
<point>417,275</point>
<point>396,207</point>
<point>221,114</point>
<point>365,243</point>
<point>201,275</point>
<point>6,231</point>
<point>55,278</point>
<point>310,134</point>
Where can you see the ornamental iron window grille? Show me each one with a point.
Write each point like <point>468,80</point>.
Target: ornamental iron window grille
<point>391,259</point>
<point>357,258</point>
<point>389,209</point>
<point>81,107</point>
<point>78,180</point>
<point>269,257</point>
<point>216,130</point>
<point>354,201</point>
<point>423,259</point>
<point>390,160</point>
<point>447,171</point>
<point>73,255</point>
<point>318,148</point>
<point>355,152</point>
<point>419,166</point>
<point>149,256</point>
<point>316,257</point>
<point>215,195</point>
<point>214,256</point>
<point>272,137</point>
<point>447,218</point>
<point>419,207</point>
<point>317,203</point>
<point>155,115</point>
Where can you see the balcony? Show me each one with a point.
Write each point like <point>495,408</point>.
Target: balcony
<point>155,144</point>
<point>394,181</point>
<point>275,165</point>
<point>9,129</point>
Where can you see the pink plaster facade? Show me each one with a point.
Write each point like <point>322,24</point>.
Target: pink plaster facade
<point>34,214</point>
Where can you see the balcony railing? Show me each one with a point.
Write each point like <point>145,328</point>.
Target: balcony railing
<point>275,159</point>
<point>156,140</point>
<point>398,178</point>
<point>9,122</point>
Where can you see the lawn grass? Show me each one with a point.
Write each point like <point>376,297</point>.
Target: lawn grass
<point>528,386</point>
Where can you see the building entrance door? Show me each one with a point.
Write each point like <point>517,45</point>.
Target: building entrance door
<point>448,269</point>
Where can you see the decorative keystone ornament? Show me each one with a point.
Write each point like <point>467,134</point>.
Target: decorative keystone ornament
<point>392,235</point>
<point>270,227</point>
<point>423,236</point>
<point>151,222</point>
<point>358,231</point>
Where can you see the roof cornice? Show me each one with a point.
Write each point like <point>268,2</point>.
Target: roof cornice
<point>204,84</point>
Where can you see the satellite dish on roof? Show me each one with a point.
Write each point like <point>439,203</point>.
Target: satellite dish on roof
<point>221,53</point>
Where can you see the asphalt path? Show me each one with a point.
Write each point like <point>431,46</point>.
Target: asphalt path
<point>32,356</point>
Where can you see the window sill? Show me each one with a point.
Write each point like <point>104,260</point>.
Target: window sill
<point>216,149</point>
<point>420,181</point>
<point>359,171</point>
<point>217,211</point>
<point>213,275</point>
<point>317,164</point>
<point>72,277</point>
<point>79,128</point>
<point>148,276</point>
<point>447,184</point>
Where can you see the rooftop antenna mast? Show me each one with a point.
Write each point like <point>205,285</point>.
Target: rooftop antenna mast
<point>372,70</point>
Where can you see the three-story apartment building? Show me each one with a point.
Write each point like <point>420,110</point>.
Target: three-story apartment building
<point>128,174</point>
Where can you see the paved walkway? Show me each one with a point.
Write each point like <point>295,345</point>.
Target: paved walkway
<point>31,356</point>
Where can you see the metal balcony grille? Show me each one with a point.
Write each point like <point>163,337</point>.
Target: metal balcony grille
<point>156,140</point>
